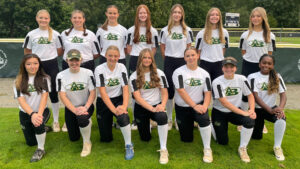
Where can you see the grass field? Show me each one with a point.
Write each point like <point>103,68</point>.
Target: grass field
<point>61,153</point>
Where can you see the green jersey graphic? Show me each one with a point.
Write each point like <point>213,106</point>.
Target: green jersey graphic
<point>43,40</point>
<point>77,40</point>
<point>231,91</point>
<point>176,36</point>
<point>264,86</point>
<point>143,38</point>
<point>111,36</point>
<point>257,43</point>
<point>76,86</point>
<point>193,82</point>
<point>31,88</point>
<point>113,82</point>
<point>147,85</point>
<point>215,41</point>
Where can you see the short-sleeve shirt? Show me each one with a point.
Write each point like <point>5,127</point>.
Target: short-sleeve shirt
<point>150,95</point>
<point>142,44</point>
<point>256,46</point>
<point>194,82</point>
<point>35,98</point>
<point>113,81</point>
<point>77,86</point>
<point>37,40</point>
<point>176,41</point>
<point>232,89</point>
<point>114,35</point>
<point>87,45</point>
<point>212,52</point>
<point>259,83</point>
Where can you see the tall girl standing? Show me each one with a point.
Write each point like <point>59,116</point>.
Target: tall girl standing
<point>112,33</point>
<point>211,43</point>
<point>47,45</point>
<point>175,38</point>
<point>82,39</point>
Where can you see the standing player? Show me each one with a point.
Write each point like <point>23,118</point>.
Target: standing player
<point>46,43</point>
<point>140,36</point>
<point>228,90</point>
<point>31,88</point>
<point>192,98</point>
<point>76,88</point>
<point>149,85</point>
<point>212,42</point>
<point>175,38</point>
<point>82,39</point>
<point>266,85</point>
<point>112,33</point>
<point>112,82</point>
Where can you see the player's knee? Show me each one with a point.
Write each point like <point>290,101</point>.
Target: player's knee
<point>161,118</point>
<point>204,121</point>
<point>83,121</point>
<point>123,120</point>
<point>249,123</point>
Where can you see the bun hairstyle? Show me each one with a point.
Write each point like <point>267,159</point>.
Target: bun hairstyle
<point>84,27</point>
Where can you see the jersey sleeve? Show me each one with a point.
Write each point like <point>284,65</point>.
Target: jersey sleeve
<point>252,82</point>
<point>190,37</point>
<point>207,84</point>
<point>17,92</point>
<point>99,77</point>
<point>163,80</point>
<point>218,89</point>
<point>272,44</point>
<point>243,41</point>
<point>282,87</point>
<point>177,80</point>
<point>132,82</point>
<point>59,85</point>
<point>163,35</point>
<point>129,38</point>
<point>226,36</point>
<point>246,87</point>
<point>91,80</point>
<point>98,36</point>
<point>124,34</point>
<point>124,75</point>
<point>95,44</point>
<point>199,40</point>
<point>27,42</point>
<point>47,85</point>
<point>154,40</point>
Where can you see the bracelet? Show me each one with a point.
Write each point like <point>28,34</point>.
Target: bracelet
<point>32,114</point>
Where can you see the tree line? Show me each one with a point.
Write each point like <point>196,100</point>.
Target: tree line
<point>17,17</point>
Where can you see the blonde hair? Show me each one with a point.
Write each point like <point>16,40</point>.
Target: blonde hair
<point>265,24</point>
<point>105,24</point>
<point>50,30</point>
<point>182,23</point>
<point>112,47</point>
<point>140,72</point>
<point>208,27</point>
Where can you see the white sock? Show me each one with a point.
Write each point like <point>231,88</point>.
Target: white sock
<point>40,138</point>
<point>86,132</point>
<point>163,135</point>
<point>169,108</point>
<point>126,131</point>
<point>245,136</point>
<point>55,111</point>
<point>205,133</point>
<point>279,129</point>
<point>132,108</point>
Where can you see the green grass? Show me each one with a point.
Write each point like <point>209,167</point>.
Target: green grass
<point>62,153</point>
<point>289,40</point>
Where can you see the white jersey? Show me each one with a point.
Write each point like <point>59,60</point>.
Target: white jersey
<point>176,41</point>
<point>77,86</point>
<point>142,44</point>
<point>194,82</point>
<point>256,46</point>
<point>113,81</point>
<point>212,52</point>
<point>114,35</point>
<point>37,41</point>
<point>34,99</point>
<point>232,89</point>
<point>259,83</point>
<point>150,95</point>
<point>87,45</point>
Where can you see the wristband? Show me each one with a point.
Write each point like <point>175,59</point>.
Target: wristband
<point>32,114</point>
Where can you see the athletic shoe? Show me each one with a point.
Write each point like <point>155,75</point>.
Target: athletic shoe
<point>176,125</point>
<point>239,128</point>
<point>153,124</point>
<point>55,126</point>
<point>244,155</point>
<point>265,130</point>
<point>164,156</point>
<point>129,152</point>
<point>64,128</point>
<point>207,155</point>
<point>48,129</point>
<point>133,125</point>
<point>86,149</point>
<point>170,125</point>
<point>38,155</point>
<point>278,153</point>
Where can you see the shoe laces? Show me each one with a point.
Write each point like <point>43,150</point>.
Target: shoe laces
<point>243,152</point>
<point>163,153</point>
<point>278,151</point>
<point>207,152</point>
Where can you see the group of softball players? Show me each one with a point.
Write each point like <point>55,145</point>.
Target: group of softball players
<point>153,90</point>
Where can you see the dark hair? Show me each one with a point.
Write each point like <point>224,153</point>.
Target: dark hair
<point>22,77</point>
<point>273,85</point>
<point>84,27</point>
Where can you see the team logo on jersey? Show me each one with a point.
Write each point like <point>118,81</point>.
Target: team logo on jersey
<point>232,91</point>
<point>176,36</point>
<point>112,36</point>
<point>31,88</point>
<point>256,43</point>
<point>193,82</point>
<point>215,41</point>
<point>147,85</point>
<point>113,82</point>
<point>3,59</point>
<point>263,86</point>
<point>75,86</point>
<point>143,38</point>
<point>43,40</point>
<point>76,39</point>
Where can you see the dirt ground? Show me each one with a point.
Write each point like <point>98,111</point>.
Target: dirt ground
<point>7,97</point>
